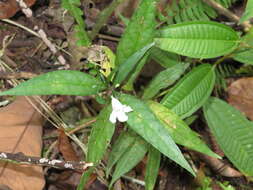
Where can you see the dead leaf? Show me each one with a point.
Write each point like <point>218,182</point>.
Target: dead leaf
<point>240,95</point>
<point>10,7</point>
<point>21,131</point>
<point>66,147</point>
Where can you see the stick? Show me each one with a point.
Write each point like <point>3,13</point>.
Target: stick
<point>20,158</point>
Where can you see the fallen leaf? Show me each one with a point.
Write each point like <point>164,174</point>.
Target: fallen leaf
<point>66,147</point>
<point>10,7</point>
<point>240,95</point>
<point>21,131</point>
<point>68,177</point>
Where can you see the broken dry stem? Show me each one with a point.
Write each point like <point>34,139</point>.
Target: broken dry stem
<point>20,158</point>
<point>223,11</point>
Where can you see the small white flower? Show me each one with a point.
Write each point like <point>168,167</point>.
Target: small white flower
<point>119,111</point>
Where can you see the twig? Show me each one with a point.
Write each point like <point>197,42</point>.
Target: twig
<point>20,158</point>
<point>18,75</point>
<point>31,32</point>
<point>134,180</point>
<point>223,11</point>
<point>219,166</point>
<point>106,37</point>
<point>25,9</point>
<point>82,126</point>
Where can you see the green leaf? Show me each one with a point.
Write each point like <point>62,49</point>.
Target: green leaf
<point>178,129</point>
<point>233,132</point>
<point>100,137</point>
<point>245,55</point>
<point>198,39</point>
<point>191,92</point>
<point>131,157</point>
<point>77,13</point>
<point>164,58</point>
<point>152,168</point>
<point>140,31</point>
<point>58,82</point>
<point>122,144</point>
<point>126,68</point>
<point>248,13</point>
<point>164,79</point>
<point>144,122</point>
<point>84,179</point>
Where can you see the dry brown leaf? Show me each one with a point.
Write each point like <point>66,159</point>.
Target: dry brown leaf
<point>66,147</point>
<point>10,7</point>
<point>21,131</point>
<point>240,95</point>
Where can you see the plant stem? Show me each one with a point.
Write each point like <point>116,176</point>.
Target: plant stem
<point>222,10</point>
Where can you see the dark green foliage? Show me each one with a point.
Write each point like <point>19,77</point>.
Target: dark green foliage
<point>58,82</point>
<point>140,31</point>
<point>233,133</point>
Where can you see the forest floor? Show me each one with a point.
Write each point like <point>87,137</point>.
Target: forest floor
<point>23,129</point>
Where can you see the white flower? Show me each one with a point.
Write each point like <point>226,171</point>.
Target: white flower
<point>119,111</point>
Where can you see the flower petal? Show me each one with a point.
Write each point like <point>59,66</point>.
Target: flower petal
<point>122,117</point>
<point>116,104</point>
<point>113,117</point>
<point>127,109</point>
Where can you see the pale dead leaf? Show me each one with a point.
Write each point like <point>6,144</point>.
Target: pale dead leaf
<point>10,7</point>
<point>21,131</point>
<point>240,95</point>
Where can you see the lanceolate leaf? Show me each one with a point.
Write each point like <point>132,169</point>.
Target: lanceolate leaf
<point>178,129</point>
<point>164,79</point>
<point>144,122</point>
<point>58,82</point>
<point>127,67</point>
<point>164,58</point>
<point>122,144</point>
<point>140,31</point>
<point>152,168</point>
<point>100,137</point>
<point>131,157</point>
<point>245,55</point>
<point>233,132</point>
<point>198,39</point>
<point>248,13</point>
<point>191,92</point>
